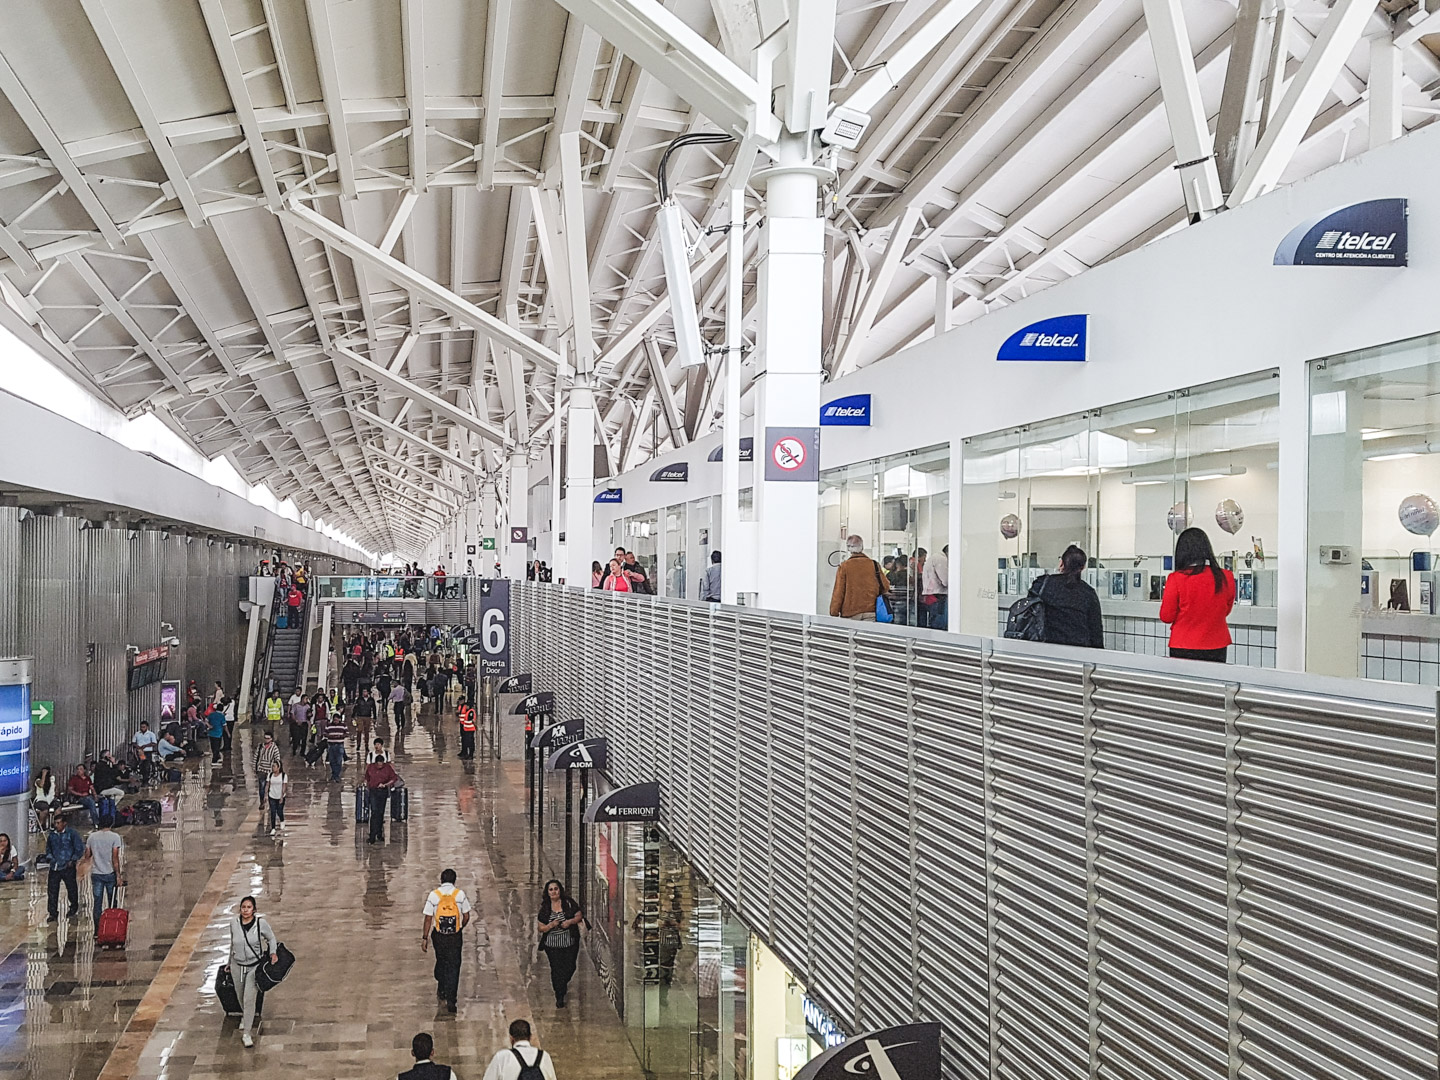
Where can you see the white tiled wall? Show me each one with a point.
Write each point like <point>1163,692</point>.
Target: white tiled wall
<point>1400,659</point>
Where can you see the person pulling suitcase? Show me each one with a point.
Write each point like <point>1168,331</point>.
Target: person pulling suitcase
<point>380,777</point>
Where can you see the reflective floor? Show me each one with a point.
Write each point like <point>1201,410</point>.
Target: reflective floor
<point>350,912</point>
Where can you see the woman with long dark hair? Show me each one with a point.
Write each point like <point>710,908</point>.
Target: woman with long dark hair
<point>559,926</point>
<point>10,867</point>
<point>1197,601</point>
<point>1072,608</point>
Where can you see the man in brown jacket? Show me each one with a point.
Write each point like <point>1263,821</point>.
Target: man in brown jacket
<point>857,584</point>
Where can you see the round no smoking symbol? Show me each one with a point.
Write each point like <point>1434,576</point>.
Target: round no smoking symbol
<point>789,453</point>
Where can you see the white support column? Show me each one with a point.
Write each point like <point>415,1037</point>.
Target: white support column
<point>323,677</point>
<point>487,524</point>
<point>730,454</point>
<point>573,562</point>
<point>1293,545</point>
<point>791,277</point>
<point>512,556</point>
<point>1175,61</point>
<point>1386,86</point>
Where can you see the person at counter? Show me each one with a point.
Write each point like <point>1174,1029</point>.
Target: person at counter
<point>1198,599</point>
<point>1072,607</point>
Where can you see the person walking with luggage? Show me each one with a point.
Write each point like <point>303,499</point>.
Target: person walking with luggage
<point>421,1047</point>
<point>277,785</point>
<point>63,848</point>
<point>336,734</point>
<point>380,777</point>
<point>215,730</point>
<point>251,940</point>
<point>107,865</point>
<point>522,1060</point>
<point>266,758</point>
<point>447,913</point>
<point>558,923</point>
<point>858,584</point>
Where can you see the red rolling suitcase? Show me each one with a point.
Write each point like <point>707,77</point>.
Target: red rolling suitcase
<point>113,926</point>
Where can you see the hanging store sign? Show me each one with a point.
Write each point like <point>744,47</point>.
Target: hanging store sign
<point>747,450</point>
<point>820,1025</point>
<point>1373,233</point>
<point>1061,338</point>
<point>492,650</point>
<point>610,495</point>
<point>637,802</point>
<point>678,473</point>
<point>537,704</point>
<point>558,735</point>
<point>792,454</point>
<point>384,618</point>
<point>852,411</point>
<point>907,1052</point>
<point>582,754</point>
<point>515,684</point>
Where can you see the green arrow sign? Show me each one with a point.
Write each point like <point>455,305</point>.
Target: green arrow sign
<point>42,712</point>
<point>487,543</point>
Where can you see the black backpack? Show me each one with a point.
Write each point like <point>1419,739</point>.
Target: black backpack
<point>529,1072</point>
<point>1027,616</point>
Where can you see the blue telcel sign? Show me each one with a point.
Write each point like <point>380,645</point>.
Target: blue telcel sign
<point>852,411</point>
<point>610,495</point>
<point>1373,233</point>
<point>1062,338</point>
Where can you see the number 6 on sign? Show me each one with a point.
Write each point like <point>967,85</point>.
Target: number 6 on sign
<point>494,655</point>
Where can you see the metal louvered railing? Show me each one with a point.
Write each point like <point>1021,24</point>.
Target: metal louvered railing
<point>1083,864</point>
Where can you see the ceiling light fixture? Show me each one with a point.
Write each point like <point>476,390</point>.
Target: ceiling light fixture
<point>1392,457</point>
<point>1144,431</point>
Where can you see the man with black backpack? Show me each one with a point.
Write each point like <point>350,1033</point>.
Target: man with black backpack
<point>522,1060</point>
<point>421,1047</point>
<point>447,912</point>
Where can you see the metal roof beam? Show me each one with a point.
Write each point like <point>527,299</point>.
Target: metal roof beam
<point>412,38</point>
<point>418,469</point>
<point>1189,129</point>
<point>327,61</point>
<point>229,60</point>
<point>406,388</point>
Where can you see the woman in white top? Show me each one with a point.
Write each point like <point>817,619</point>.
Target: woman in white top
<point>275,792</point>
<point>43,798</point>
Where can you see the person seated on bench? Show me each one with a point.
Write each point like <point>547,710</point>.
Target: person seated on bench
<point>10,868</point>
<point>110,776</point>
<point>82,791</point>
<point>42,798</point>
<point>169,750</point>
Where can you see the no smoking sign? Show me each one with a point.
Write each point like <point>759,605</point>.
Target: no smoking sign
<point>793,454</point>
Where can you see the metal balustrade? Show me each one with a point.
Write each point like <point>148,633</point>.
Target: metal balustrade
<point>1084,864</point>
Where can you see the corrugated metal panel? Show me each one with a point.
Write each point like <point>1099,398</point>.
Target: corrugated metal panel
<point>756,810</point>
<point>52,629</point>
<point>946,691</point>
<point>174,582</point>
<point>1161,875</point>
<point>142,618</point>
<point>726,770</point>
<point>106,586</point>
<point>1039,894</point>
<point>1337,904</point>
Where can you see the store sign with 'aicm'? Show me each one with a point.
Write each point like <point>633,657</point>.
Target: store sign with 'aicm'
<point>1062,338</point>
<point>1373,233</point>
<point>852,411</point>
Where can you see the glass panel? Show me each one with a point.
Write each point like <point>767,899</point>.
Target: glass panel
<point>1374,477</point>
<point>642,537</point>
<point>675,561</point>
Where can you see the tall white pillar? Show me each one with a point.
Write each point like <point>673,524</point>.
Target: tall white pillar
<point>572,561</point>
<point>517,505</point>
<point>488,525</point>
<point>730,455</point>
<point>791,277</point>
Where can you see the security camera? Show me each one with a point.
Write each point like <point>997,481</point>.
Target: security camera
<point>132,649</point>
<point>166,627</point>
<point>173,642</point>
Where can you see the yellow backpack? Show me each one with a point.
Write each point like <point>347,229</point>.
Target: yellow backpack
<point>447,912</point>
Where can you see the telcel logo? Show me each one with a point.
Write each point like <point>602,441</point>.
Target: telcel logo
<point>1050,341</point>
<point>1340,240</point>
<point>843,410</point>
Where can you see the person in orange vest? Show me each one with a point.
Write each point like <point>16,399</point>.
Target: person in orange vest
<point>467,730</point>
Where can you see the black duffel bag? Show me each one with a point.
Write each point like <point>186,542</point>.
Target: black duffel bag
<point>270,975</point>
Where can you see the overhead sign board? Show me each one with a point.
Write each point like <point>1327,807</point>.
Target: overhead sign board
<point>678,473</point>
<point>492,651</point>
<point>852,411</point>
<point>610,495</point>
<point>1373,233</point>
<point>1065,338</point>
<point>558,735</point>
<point>582,754</point>
<point>907,1052</point>
<point>515,684</point>
<point>541,703</point>
<point>385,618</point>
<point>747,450</point>
<point>637,802</point>
<point>792,454</point>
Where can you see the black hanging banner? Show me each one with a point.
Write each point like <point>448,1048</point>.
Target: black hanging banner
<point>516,684</point>
<point>637,802</point>
<point>907,1052</point>
<point>541,704</point>
<point>584,754</point>
<point>556,735</point>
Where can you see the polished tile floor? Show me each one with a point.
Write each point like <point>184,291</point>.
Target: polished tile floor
<point>349,911</point>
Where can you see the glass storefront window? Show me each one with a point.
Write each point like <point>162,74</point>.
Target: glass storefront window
<point>675,561</point>
<point>642,536</point>
<point>899,506</point>
<point>1374,478</point>
<point>1122,482</point>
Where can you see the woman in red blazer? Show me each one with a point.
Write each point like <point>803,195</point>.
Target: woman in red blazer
<point>1197,601</point>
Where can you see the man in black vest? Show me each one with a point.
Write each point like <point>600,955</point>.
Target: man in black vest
<point>421,1047</point>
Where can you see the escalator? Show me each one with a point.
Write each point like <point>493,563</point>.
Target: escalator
<point>284,653</point>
